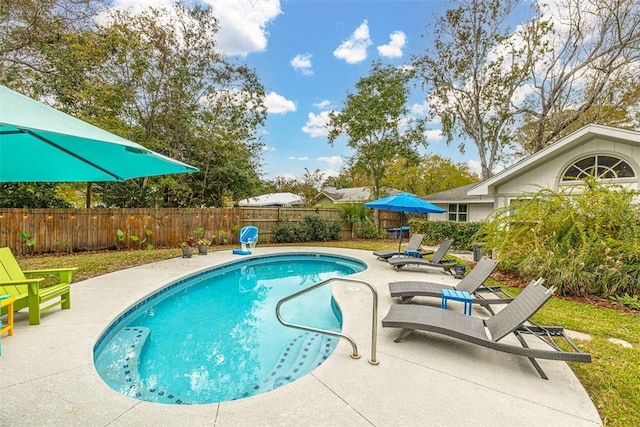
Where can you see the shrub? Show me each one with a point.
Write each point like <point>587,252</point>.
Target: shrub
<point>284,232</point>
<point>462,233</point>
<point>335,230</point>
<point>311,228</point>
<point>372,232</point>
<point>583,240</point>
<point>356,215</point>
<point>314,228</point>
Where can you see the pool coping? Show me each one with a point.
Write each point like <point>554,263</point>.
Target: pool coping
<point>47,375</point>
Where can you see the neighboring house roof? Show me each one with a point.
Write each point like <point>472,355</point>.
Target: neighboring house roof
<point>582,135</point>
<point>272,199</point>
<point>350,195</point>
<point>457,195</point>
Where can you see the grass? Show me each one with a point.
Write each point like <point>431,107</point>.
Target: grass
<point>611,380</point>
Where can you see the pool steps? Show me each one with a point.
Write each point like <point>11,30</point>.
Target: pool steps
<point>124,352</point>
<point>123,358</point>
<point>295,358</point>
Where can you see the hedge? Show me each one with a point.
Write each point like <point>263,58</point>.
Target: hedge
<point>462,233</point>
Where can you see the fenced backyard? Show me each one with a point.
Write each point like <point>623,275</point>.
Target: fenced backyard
<point>31,231</point>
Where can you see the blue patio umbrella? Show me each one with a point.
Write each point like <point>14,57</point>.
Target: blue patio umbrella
<point>41,144</point>
<point>404,203</point>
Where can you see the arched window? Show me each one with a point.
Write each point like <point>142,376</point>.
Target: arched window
<point>599,166</point>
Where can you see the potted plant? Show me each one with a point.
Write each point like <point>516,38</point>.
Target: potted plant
<point>187,247</point>
<point>203,245</point>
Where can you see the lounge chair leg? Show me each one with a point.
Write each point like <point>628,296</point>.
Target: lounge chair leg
<point>403,334</point>
<point>533,361</point>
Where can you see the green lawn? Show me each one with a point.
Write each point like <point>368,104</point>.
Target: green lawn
<point>612,380</point>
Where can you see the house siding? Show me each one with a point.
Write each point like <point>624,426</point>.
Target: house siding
<point>476,212</point>
<point>547,173</point>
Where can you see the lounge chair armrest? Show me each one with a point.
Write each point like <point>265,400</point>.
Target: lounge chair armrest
<point>65,274</point>
<point>21,282</point>
<point>50,271</point>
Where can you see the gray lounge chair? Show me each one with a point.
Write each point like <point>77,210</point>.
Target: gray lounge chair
<point>438,260</point>
<point>511,318</point>
<point>472,283</point>
<point>412,245</point>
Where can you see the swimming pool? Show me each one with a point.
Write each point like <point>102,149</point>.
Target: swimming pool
<point>214,336</point>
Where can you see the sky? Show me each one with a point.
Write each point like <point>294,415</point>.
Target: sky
<point>316,52</point>
<point>309,54</point>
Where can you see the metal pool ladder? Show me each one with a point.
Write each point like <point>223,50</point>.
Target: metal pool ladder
<point>374,317</point>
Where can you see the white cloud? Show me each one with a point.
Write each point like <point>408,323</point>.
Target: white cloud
<point>278,104</point>
<point>332,160</point>
<point>329,172</point>
<point>298,158</point>
<point>322,105</point>
<point>316,125</point>
<point>420,109</point>
<point>434,134</point>
<point>269,149</point>
<point>474,166</point>
<point>302,63</point>
<point>354,49</point>
<point>397,41</point>
<point>243,24</point>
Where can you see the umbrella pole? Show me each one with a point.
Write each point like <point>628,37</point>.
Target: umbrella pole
<point>400,233</point>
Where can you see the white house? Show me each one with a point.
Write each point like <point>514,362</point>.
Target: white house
<point>606,152</point>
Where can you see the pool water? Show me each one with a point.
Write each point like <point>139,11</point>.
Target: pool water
<point>214,336</point>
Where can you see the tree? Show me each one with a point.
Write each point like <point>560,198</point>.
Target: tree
<point>513,92</point>
<point>347,178</point>
<point>30,195</point>
<point>128,194</point>
<point>28,28</point>
<point>473,72</point>
<point>586,72</point>
<point>377,123</point>
<point>158,78</point>
<point>306,186</point>
<point>310,186</point>
<point>191,103</point>
<point>431,175</point>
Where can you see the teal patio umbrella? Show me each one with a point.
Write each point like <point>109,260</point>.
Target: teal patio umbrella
<point>41,144</point>
<point>404,203</point>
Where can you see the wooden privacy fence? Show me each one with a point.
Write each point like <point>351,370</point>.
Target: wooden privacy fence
<point>70,230</point>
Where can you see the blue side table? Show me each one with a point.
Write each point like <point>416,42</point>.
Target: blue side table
<point>410,253</point>
<point>453,295</point>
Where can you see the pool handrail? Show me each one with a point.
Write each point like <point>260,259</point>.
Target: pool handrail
<point>374,316</point>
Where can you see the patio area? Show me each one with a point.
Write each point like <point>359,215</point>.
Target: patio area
<point>47,376</point>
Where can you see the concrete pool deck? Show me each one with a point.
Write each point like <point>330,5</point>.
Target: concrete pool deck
<point>47,376</point>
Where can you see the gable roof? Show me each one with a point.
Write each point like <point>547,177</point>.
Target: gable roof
<point>457,195</point>
<point>578,137</point>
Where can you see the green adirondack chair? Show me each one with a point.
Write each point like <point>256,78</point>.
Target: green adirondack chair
<point>27,291</point>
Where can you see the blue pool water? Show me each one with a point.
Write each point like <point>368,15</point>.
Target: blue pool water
<point>214,336</point>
